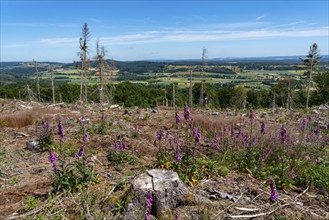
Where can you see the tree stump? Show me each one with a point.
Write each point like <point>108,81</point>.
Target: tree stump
<point>169,192</point>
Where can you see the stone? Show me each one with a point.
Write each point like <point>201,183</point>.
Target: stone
<point>114,106</point>
<point>230,114</point>
<point>314,111</point>
<point>32,145</point>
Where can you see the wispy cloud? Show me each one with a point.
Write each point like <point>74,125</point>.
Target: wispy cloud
<point>212,32</point>
<point>60,41</point>
<point>40,25</point>
<point>260,17</point>
<point>190,36</point>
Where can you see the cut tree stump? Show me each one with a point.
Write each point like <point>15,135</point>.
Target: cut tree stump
<point>169,192</point>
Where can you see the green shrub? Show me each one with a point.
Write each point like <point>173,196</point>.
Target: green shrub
<point>73,176</point>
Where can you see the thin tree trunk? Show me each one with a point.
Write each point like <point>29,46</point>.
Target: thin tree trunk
<point>190,91</point>
<point>201,93</point>
<point>38,81</point>
<point>309,85</point>
<point>101,89</point>
<point>173,96</point>
<point>52,83</point>
<point>81,86</point>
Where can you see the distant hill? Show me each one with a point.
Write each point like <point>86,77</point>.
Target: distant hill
<point>157,65</point>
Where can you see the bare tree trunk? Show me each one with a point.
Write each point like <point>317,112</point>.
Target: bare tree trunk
<point>203,63</point>
<point>85,83</point>
<point>309,85</point>
<point>101,89</point>
<point>52,83</point>
<point>288,96</point>
<point>81,86</point>
<point>201,93</point>
<point>190,92</point>
<point>38,81</point>
<point>173,95</point>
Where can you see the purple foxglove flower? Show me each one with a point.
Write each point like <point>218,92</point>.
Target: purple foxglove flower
<point>85,137</point>
<point>252,115</point>
<point>283,135</point>
<point>216,138</point>
<point>195,132</point>
<point>124,145</point>
<point>273,193</point>
<point>293,175</point>
<point>232,132</point>
<point>192,121</point>
<point>177,117</point>
<point>52,159</point>
<point>240,134</point>
<point>262,128</point>
<point>187,113</point>
<point>255,139</point>
<point>246,139</point>
<point>168,132</point>
<point>176,140</point>
<point>46,125</point>
<point>60,128</point>
<point>269,153</point>
<point>177,156</point>
<point>176,217</point>
<point>149,202</point>
<point>102,117</point>
<point>310,119</point>
<point>198,136</point>
<point>80,153</point>
<point>261,153</point>
<point>159,135</point>
<point>171,144</point>
<point>309,138</point>
<point>303,126</point>
<point>81,122</point>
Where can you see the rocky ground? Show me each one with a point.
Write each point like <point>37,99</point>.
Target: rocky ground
<point>26,175</point>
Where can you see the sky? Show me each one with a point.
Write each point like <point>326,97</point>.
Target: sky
<point>173,29</point>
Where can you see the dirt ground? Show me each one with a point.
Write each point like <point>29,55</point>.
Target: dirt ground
<point>28,174</point>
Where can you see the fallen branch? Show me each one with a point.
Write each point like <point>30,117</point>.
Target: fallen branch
<point>247,209</point>
<point>300,194</point>
<point>259,214</point>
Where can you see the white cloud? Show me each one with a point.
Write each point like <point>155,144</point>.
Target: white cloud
<point>260,17</point>
<point>212,32</point>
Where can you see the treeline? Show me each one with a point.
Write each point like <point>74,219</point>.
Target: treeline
<point>287,93</point>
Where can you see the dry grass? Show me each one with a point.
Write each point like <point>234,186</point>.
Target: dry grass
<point>212,123</point>
<point>23,118</point>
<point>18,119</point>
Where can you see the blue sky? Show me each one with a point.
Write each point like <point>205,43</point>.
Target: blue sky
<point>139,30</point>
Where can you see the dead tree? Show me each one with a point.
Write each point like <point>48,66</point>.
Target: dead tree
<point>100,57</point>
<point>173,95</point>
<point>311,60</point>
<point>38,80</point>
<point>52,82</point>
<point>190,92</point>
<point>84,60</point>
<point>203,66</point>
<point>112,68</point>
